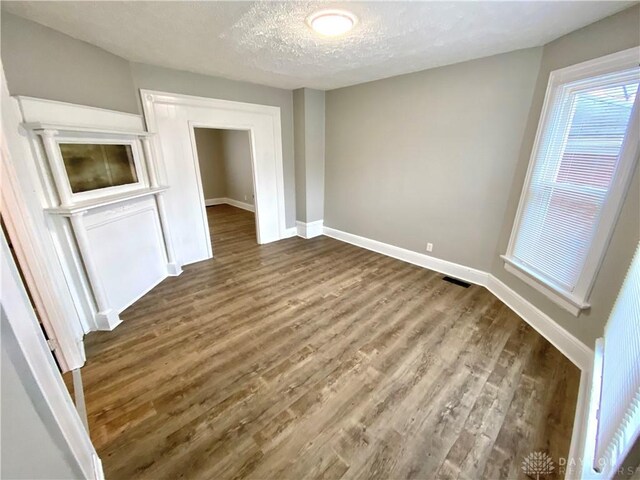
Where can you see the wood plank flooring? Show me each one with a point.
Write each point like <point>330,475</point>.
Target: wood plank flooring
<point>318,359</point>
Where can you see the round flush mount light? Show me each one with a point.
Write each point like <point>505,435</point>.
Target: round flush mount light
<point>332,23</point>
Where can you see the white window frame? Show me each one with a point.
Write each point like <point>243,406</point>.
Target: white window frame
<point>577,300</point>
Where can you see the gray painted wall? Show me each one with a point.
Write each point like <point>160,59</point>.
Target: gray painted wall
<point>41,62</point>
<point>211,161</point>
<point>237,162</point>
<point>430,156</point>
<point>609,35</point>
<point>299,141</point>
<point>440,156</point>
<point>32,446</point>
<point>164,79</point>
<point>309,145</point>
<point>314,153</point>
<point>435,156</point>
<point>225,164</point>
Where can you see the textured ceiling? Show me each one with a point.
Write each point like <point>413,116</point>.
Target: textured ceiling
<point>269,43</point>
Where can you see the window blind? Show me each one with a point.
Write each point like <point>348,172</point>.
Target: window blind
<point>573,171</point>
<point>619,420</point>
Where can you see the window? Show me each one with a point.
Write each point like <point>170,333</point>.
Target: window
<point>581,165</point>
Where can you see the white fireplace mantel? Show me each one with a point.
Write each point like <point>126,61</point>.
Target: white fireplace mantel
<point>86,206</point>
<point>114,243</point>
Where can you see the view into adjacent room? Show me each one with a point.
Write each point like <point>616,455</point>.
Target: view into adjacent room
<point>224,158</point>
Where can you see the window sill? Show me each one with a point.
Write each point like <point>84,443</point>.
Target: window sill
<point>569,302</point>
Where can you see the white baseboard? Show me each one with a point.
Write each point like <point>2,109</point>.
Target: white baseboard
<point>210,202</point>
<point>582,446</point>
<point>229,201</point>
<point>467,274</point>
<point>98,471</point>
<point>290,232</point>
<point>157,282</point>
<point>311,229</point>
<point>173,269</point>
<point>570,346</point>
<point>107,320</point>
<point>239,204</point>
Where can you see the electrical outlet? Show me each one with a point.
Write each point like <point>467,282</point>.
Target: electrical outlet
<point>245,198</point>
<point>429,247</point>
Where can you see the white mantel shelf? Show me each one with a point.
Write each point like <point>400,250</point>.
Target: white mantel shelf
<point>40,126</point>
<point>104,201</point>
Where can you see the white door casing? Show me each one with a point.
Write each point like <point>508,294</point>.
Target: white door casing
<point>173,117</point>
<point>33,244</point>
<point>23,337</point>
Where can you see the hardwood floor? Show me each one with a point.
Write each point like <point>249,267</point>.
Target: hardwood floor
<point>318,359</point>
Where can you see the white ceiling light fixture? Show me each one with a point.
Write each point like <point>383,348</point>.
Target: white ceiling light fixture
<point>332,23</point>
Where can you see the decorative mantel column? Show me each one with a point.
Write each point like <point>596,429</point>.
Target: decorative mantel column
<point>59,176</point>
<point>173,268</point>
<point>102,204</point>
<point>106,318</point>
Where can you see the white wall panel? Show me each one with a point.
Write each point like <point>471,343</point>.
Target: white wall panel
<point>128,251</point>
<point>173,117</point>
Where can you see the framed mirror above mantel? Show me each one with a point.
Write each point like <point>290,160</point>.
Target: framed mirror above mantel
<point>106,209</point>
<point>91,164</point>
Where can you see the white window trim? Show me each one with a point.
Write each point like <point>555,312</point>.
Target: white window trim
<point>577,300</point>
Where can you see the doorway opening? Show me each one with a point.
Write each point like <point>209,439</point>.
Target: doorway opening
<point>167,115</point>
<point>227,178</point>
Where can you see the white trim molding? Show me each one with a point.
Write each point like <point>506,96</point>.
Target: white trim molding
<point>570,346</point>
<point>570,303</point>
<point>590,416</point>
<point>210,202</point>
<point>310,230</point>
<point>462,272</point>
<point>291,232</point>
<point>32,240</point>
<point>577,447</point>
<point>47,125</point>
<point>239,204</point>
<point>45,111</point>
<point>575,350</point>
<point>54,136</point>
<point>28,348</point>
<point>563,83</point>
<point>185,200</point>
